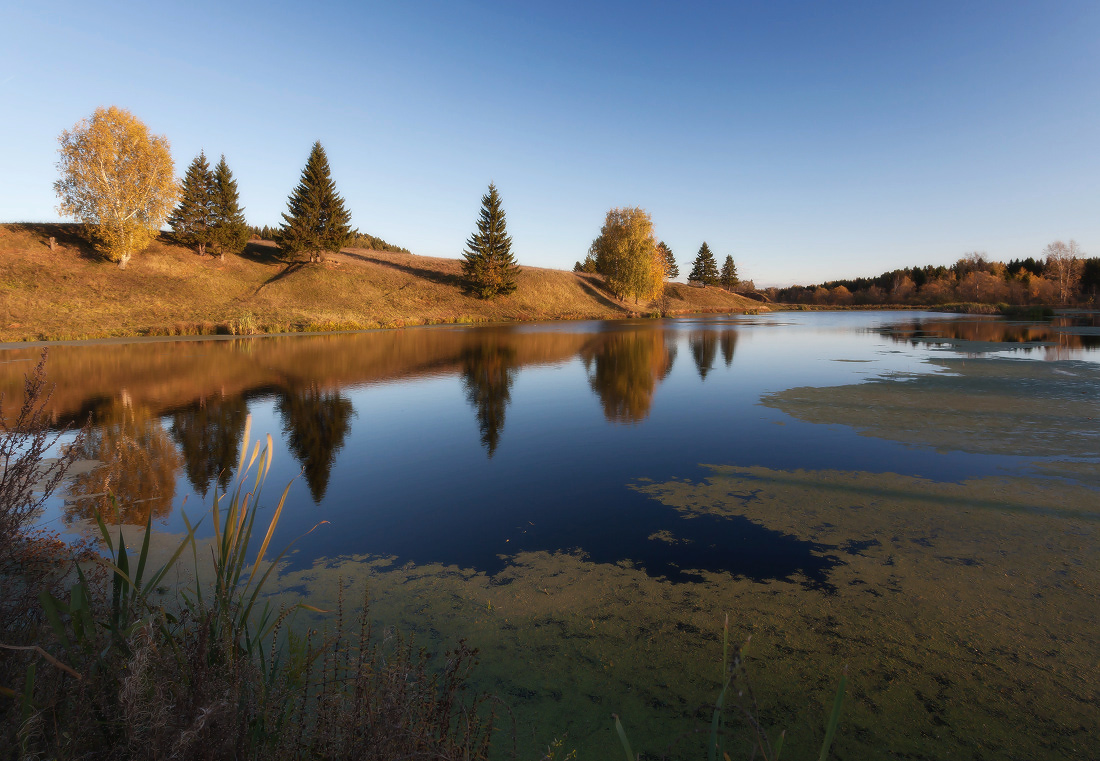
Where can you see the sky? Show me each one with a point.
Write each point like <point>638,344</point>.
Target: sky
<point>809,140</point>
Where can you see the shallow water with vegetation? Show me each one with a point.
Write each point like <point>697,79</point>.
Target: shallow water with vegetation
<point>909,499</point>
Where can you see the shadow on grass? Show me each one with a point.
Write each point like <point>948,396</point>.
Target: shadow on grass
<point>430,275</point>
<point>287,271</point>
<point>71,235</point>
<point>595,288</point>
<point>262,253</point>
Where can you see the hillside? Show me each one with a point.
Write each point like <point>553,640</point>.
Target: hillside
<point>72,293</point>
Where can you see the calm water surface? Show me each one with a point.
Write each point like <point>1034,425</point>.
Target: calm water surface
<point>586,501</point>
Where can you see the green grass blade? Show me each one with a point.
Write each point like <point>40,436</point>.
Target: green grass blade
<point>270,532</point>
<point>106,534</point>
<point>144,556</point>
<point>121,581</point>
<point>28,693</point>
<point>80,609</point>
<point>712,748</point>
<point>274,564</point>
<point>779,745</point>
<point>834,719</point>
<point>622,739</point>
<point>244,444</point>
<point>189,538</point>
<point>51,607</point>
<point>726,648</point>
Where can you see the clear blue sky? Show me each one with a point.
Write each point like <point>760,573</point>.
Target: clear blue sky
<point>810,140</point>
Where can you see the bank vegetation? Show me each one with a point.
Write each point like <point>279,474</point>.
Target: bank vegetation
<point>69,291</point>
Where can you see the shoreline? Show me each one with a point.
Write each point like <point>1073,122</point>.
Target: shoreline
<point>167,337</point>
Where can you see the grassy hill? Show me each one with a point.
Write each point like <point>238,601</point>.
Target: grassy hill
<point>72,293</point>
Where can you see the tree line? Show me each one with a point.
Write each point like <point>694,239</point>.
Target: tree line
<point>636,265</point>
<point>358,239</point>
<point>1060,274</point>
<point>118,180</point>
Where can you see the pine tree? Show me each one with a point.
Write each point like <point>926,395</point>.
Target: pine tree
<point>191,220</point>
<point>316,220</point>
<point>229,233</point>
<point>672,270</point>
<point>729,274</point>
<point>489,267</point>
<point>704,269</point>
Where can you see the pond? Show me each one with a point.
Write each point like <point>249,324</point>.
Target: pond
<point>907,498</point>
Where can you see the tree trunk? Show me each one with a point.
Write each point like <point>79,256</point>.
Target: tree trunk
<point>202,249</point>
<point>53,243</point>
<point>123,261</point>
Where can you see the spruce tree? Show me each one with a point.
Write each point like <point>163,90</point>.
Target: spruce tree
<point>192,219</point>
<point>316,220</point>
<point>704,269</point>
<point>729,274</point>
<point>229,233</point>
<point>488,265</point>
<point>672,270</point>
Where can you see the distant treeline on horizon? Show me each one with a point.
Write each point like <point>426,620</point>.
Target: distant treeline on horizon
<point>1065,279</point>
<point>358,239</point>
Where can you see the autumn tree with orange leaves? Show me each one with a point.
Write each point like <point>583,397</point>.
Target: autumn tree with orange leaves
<point>626,253</point>
<point>117,179</point>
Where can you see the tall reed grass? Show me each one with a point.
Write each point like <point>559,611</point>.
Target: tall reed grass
<point>126,665</point>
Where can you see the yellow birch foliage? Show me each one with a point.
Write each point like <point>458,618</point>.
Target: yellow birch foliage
<point>626,253</point>
<point>117,179</point>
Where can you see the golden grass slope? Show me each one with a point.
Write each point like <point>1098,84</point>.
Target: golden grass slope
<point>72,293</point>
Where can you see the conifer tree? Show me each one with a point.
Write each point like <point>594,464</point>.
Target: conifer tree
<point>729,274</point>
<point>316,220</point>
<point>672,270</point>
<point>229,232</point>
<point>488,265</point>
<point>704,269</point>
<point>192,219</point>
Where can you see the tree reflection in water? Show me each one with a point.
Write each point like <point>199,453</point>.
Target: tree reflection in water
<point>624,370</point>
<point>209,435</point>
<point>704,348</point>
<point>729,345</point>
<point>139,467</point>
<point>316,423</point>
<point>488,372</point>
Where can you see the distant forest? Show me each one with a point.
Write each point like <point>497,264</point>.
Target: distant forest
<point>357,240</point>
<point>974,279</point>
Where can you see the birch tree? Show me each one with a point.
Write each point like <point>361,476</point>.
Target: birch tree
<point>626,254</point>
<point>1064,265</point>
<point>117,179</point>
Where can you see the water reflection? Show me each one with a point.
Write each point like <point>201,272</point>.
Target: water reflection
<point>704,349</point>
<point>209,435</point>
<point>140,465</point>
<point>624,370</point>
<point>729,345</point>
<point>315,423</point>
<point>875,549</point>
<point>488,371</point>
<point>1057,337</point>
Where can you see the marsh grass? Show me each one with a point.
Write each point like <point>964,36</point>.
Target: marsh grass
<point>119,663</point>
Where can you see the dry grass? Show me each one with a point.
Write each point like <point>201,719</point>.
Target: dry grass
<point>72,293</point>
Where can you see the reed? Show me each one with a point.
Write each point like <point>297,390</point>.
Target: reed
<point>120,670</point>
